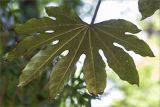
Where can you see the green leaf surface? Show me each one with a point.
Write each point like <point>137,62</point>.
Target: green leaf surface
<point>148,7</point>
<point>78,38</point>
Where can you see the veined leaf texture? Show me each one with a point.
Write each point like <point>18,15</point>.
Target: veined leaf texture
<point>78,38</point>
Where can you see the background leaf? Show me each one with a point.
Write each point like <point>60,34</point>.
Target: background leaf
<point>148,7</point>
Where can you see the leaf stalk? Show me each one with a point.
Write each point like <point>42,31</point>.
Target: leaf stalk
<point>95,13</point>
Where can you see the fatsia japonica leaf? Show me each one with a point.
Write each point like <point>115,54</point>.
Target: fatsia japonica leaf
<point>78,38</point>
<point>148,7</point>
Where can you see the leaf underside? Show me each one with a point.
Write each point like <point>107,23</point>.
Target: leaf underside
<point>148,7</point>
<point>78,38</point>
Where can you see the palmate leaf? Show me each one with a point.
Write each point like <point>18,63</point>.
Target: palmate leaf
<point>79,38</point>
<point>148,7</point>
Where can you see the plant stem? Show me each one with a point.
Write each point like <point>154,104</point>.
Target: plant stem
<point>95,13</point>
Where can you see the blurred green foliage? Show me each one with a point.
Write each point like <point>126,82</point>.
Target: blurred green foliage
<point>147,95</point>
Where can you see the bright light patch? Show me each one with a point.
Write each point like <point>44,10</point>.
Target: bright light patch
<point>55,42</point>
<point>79,64</point>
<point>49,31</point>
<point>118,45</point>
<point>102,55</point>
<point>128,33</point>
<point>65,53</point>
